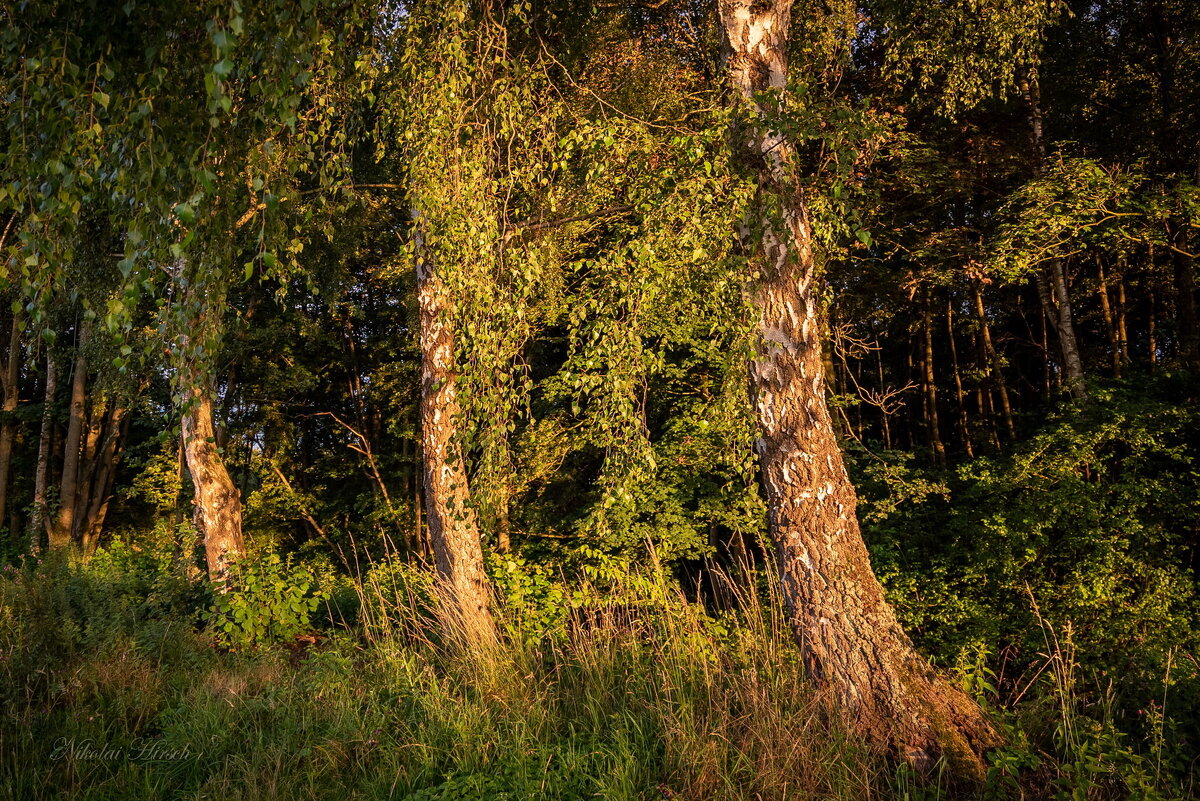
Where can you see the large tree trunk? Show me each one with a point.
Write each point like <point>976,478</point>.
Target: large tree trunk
<point>8,429</point>
<point>450,517</point>
<point>218,511</point>
<point>64,526</point>
<point>849,637</point>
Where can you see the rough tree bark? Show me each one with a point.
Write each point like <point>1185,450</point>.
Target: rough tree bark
<point>451,520</point>
<point>849,637</point>
<point>218,511</point>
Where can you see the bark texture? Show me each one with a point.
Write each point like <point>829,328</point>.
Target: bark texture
<point>451,520</point>
<point>218,510</point>
<point>849,637</point>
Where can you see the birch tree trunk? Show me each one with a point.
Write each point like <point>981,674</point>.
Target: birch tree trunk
<point>218,510</point>
<point>450,518</point>
<point>850,640</point>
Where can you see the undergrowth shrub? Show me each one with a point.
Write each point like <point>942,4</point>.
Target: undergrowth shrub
<point>1090,520</point>
<point>267,599</point>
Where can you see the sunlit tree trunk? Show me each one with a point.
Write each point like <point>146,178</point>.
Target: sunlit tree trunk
<point>450,517</point>
<point>848,635</point>
<point>218,506</point>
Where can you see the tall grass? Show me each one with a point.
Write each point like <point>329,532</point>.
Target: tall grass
<point>110,689</point>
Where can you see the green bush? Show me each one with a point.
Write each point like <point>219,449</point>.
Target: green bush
<point>266,600</point>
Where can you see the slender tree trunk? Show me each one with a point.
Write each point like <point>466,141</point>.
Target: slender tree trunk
<point>932,426</point>
<point>1072,362</point>
<point>1152,328</point>
<point>68,496</point>
<point>88,465</point>
<point>984,399</point>
<point>453,530</point>
<point>218,507</point>
<point>1052,286</point>
<point>101,478</point>
<point>1110,326</point>
<point>993,362</point>
<point>1185,303</point>
<point>849,637</point>
<point>39,517</point>
<point>8,429</point>
<point>964,428</point>
<point>883,410</point>
<point>503,518</point>
<point>1121,314</point>
<point>407,474</point>
<point>911,418</point>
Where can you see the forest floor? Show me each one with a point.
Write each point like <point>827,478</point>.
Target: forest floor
<point>109,694</point>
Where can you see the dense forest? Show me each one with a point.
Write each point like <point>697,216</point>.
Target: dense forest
<point>629,399</point>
